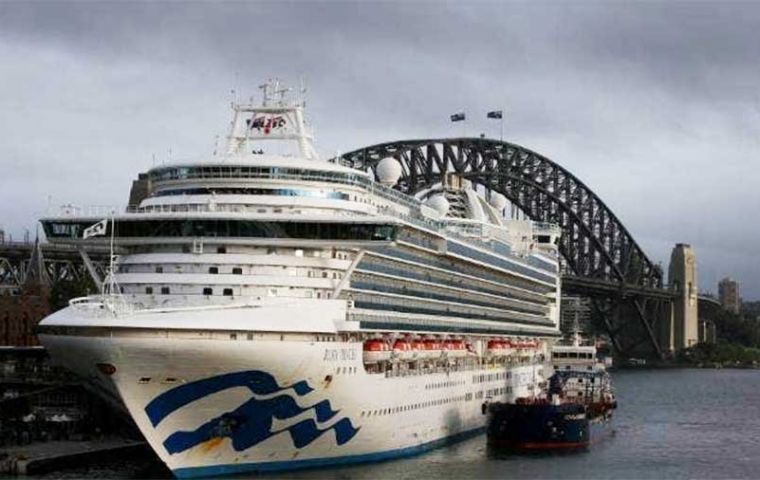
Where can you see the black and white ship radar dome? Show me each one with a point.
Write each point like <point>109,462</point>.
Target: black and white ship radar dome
<point>498,201</point>
<point>439,203</point>
<point>388,171</point>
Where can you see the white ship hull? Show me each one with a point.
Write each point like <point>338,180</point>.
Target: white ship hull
<point>250,318</point>
<point>211,407</point>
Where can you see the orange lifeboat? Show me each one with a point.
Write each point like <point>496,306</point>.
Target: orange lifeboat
<point>402,349</point>
<point>433,348</point>
<point>498,347</point>
<point>455,348</point>
<point>418,348</point>
<point>376,350</point>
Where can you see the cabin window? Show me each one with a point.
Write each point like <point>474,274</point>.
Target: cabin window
<point>237,271</point>
<point>159,269</point>
<point>149,290</point>
<point>208,291</point>
<point>227,292</point>
<point>221,249</point>
<point>164,290</point>
<point>213,270</point>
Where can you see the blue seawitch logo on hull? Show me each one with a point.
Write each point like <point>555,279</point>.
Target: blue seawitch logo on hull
<point>251,422</point>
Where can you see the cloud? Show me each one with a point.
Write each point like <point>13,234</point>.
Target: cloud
<point>653,105</point>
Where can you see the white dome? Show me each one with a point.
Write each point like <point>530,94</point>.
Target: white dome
<point>498,201</point>
<point>388,171</point>
<point>439,203</point>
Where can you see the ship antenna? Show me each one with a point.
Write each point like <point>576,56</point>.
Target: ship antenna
<point>576,331</point>
<point>111,280</point>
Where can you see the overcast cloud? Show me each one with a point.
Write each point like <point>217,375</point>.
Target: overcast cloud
<point>655,106</point>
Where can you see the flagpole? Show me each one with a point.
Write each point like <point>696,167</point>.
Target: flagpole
<point>110,268</point>
<point>501,126</point>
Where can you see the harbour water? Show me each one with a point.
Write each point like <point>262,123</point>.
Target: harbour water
<point>670,424</point>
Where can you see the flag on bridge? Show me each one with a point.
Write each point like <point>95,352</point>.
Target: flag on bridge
<point>95,230</point>
<point>457,117</point>
<point>494,114</point>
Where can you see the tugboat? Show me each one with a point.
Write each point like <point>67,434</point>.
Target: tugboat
<point>574,410</point>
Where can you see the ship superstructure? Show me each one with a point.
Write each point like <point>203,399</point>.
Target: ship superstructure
<point>274,310</point>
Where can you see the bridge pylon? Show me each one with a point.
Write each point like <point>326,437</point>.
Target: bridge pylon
<point>682,277</point>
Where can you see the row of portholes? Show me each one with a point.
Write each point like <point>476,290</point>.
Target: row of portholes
<point>489,377</point>
<point>413,406</point>
<point>209,291</point>
<point>144,380</point>
<point>498,391</point>
<point>443,384</point>
<point>214,270</point>
<point>346,370</point>
<point>206,291</point>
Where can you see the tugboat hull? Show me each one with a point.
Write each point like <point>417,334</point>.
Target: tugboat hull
<point>538,426</point>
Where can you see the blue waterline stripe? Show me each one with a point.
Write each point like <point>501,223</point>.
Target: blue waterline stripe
<point>235,468</point>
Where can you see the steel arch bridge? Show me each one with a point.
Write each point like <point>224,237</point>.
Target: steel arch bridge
<point>601,255</point>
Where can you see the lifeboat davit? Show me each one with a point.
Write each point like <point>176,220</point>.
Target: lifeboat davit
<point>433,348</point>
<point>418,348</point>
<point>402,349</point>
<point>376,350</point>
<point>455,348</point>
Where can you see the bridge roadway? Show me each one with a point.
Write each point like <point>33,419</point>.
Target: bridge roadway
<point>61,263</point>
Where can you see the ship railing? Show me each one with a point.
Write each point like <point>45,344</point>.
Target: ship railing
<point>101,305</point>
<point>546,228</point>
<point>412,203</point>
<point>69,210</point>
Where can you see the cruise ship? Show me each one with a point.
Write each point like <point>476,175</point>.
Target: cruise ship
<point>267,310</point>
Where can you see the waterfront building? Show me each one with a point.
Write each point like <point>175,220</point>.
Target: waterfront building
<point>22,308</point>
<point>728,293</point>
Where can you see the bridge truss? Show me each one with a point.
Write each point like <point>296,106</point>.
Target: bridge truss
<point>23,262</point>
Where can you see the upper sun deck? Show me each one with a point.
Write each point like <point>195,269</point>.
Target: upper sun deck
<point>254,167</point>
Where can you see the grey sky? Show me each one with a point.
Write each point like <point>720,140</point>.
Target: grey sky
<point>655,106</point>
